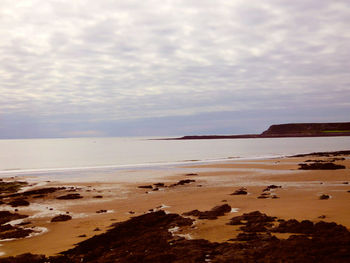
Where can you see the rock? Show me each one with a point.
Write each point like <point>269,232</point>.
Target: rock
<point>320,166</point>
<point>241,191</point>
<point>97,229</point>
<point>61,218</point>
<point>147,238</point>
<point>183,182</point>
<point>101,211</point>
<point>43,191</point>
<point>155,189</point>
<point>253,236</point>
<point>191,174</point>
<point>11,187</point>
<point>159,185</point>
<point>253,222</point>
<point>212,214</point>
<point>294,226</point>
<point>145,186</point>
<point>271,187</point>
<point>324,197</point>
<point>69,196</point>
<point>39,196</point>
<point>19,202</point>
<point>8,231</point>
<point>83,235</point>
<point>98,196</point>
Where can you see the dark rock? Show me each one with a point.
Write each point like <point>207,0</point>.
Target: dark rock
<point>145,186</point>
<point>25,258</point>
<point>253,222</point>
<point>98,196</point>
<point>183,182</point>
<point>19,202</point>
<point>39,196</point>
<point>294,226</point>
<point>61,218</point>
<point>320,166</point>
<point>212,214</point>
<point>155,189</point>
<point>146,239</point>
<point>262,196</point>
<point>271,187</point>
<point>69,196</point>
<point>345,182</point>
<point>101,211</point>
<point>324,197</point>
<point>191,174</point>
<point>43,191</point>
<point>11,187</point>
<point>253,236</point>
<point>159,185</point>
<point>241,191</point>
<point>8,231</point>
<point>83,235</point>
<point>97,229</point>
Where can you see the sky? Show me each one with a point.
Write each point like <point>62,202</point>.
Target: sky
<point>160,67</point>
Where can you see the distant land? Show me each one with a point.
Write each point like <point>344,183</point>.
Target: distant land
<point>286,130</point>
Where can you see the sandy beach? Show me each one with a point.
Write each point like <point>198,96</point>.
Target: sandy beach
<point>295,195</point>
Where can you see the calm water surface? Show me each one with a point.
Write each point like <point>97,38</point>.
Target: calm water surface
<point>45,154</point>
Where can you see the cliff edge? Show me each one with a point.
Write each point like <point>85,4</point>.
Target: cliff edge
<point>286,130</point>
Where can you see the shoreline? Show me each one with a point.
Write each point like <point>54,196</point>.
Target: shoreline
<point>155,165</point>
<point>213,182</point>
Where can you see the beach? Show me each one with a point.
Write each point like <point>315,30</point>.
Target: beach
<point>275,186</point>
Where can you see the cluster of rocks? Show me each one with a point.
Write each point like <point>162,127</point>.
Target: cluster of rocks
<point>157,186</point>
<point>10,187</point>
<point>253,222</point>
<point>8,231</point>
<point>240,191</point>
<point>61,218</point>
<point>147,238</point>
<point>323,154</point>
<point>320,166</point>
<point>211,214</point>
<point>267,192</point>
<point>69,196</point>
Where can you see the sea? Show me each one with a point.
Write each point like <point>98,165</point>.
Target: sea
<point>64,155</point>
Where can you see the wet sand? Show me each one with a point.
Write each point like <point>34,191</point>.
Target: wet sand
<point>298,198</point>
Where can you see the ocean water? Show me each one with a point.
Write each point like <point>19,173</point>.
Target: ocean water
<point>38,155</point>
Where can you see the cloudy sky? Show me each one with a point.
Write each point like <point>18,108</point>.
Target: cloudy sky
<point>162,67</point>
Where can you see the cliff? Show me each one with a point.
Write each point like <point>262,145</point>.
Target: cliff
<point>287,130</point>
<point>308,129</point>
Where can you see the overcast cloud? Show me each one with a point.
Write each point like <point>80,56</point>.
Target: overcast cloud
<point>110,68</point>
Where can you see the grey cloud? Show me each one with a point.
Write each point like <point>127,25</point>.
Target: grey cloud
<point>130,60</point>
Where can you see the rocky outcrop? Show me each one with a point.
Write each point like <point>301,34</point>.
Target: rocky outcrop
<point>308,129</point>
<point>211,214</point>
<point>240,191</point>
<point>320,166</point>
<point>285,130</point>
<point>69,196</point>
<point>147,238</point>
<point>61,218</point>
<point>8,231</point>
